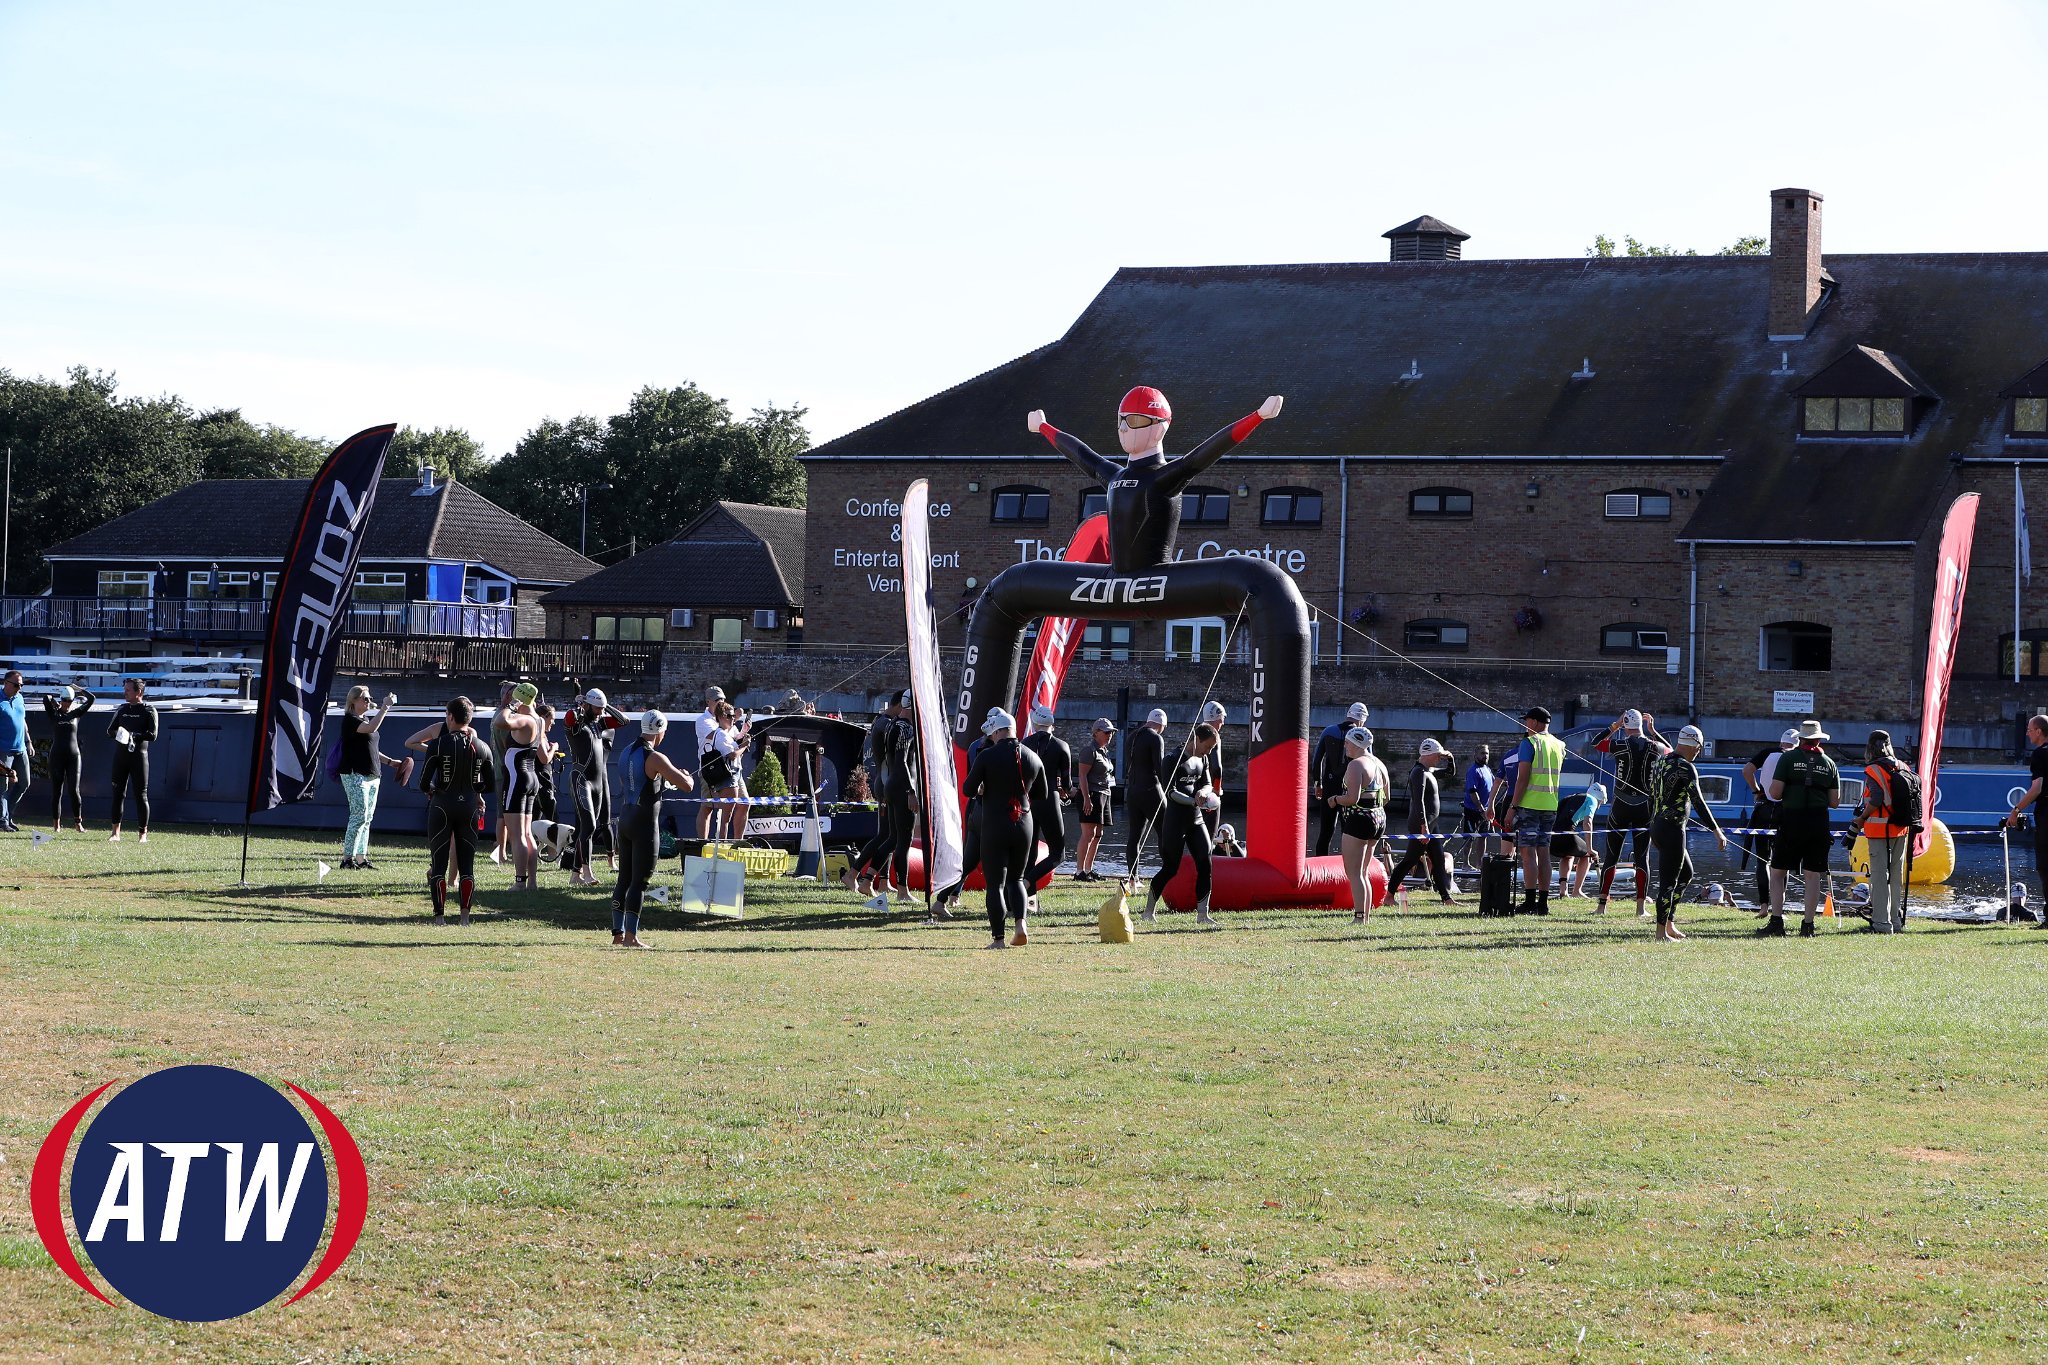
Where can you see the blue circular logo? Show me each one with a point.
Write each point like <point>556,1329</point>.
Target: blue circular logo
<point>199,1193</point>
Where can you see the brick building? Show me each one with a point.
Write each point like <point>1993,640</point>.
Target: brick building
<point>1742,459</point>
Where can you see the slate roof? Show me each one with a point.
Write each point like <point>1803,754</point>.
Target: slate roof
<point>1677,344</point>
<point>735,554</point>
<point>1426,224</point>
<point>242,519</point>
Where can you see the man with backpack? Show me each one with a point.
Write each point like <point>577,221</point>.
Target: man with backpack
<point>1890,812</point>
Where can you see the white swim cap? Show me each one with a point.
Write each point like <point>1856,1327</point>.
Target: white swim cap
<point>652,722</point>
<point>1213,713</point>
<point>1359,713</point>
<point>1691,735</point>
<point>1155,717</point>
<point>1631,719</point>
<point>1041,715</point>
<point>595,697</point>
<point>998,719</point>
<point>1360,736</point>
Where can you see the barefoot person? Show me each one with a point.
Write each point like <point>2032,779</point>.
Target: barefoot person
<point>1005,780</point>
<point>67,762</point>
<point>1096,775</point>
<point>647,773</point>
<point>133,729</point>
<point>1361,815</point>
<point>589,726</point>
<point>459,777</point>
<point>1674,789</point>
<point>521,759</point>
<point>1184,822</point>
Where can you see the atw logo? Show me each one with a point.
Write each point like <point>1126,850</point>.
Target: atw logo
<point>198,1193</point>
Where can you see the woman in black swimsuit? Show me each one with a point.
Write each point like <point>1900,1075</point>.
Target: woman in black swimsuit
<point>522,782</point>
<point>64,709</point>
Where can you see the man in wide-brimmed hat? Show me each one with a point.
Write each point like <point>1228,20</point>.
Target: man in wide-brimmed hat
<point>1807,786</point>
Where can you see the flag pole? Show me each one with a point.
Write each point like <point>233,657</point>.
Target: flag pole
<point>2018,511</point>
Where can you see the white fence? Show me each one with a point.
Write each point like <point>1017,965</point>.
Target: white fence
<point>169,678</point>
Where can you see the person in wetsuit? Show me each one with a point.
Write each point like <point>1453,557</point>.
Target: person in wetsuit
<point>904,786</point>
<point>1145,766</point>
<point>1214,715</point>
<point>460,775</point>
<point>1006,780</point>
<point>646,774</point>
<point>524,744</point>
<point>66,760</point>
<point>1184,825</point>
<point>133,729</point>
<point>1047,818</point>
<point>970,827</point>
<point>1633,744</point>
<point>1326,767</point>
<point>589,727</point>
<point>1674,788</point>
<point>1144,490</point>
<point>881,742</point>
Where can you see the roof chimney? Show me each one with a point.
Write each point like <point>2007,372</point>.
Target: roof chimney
<point>1796,270</point>
<point>426,487</point>
<point>1425,239</point>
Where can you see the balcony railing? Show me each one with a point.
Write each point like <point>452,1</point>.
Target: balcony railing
<point>199,618</point>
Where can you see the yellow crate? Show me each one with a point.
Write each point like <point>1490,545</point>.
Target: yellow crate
<point>760,862</point>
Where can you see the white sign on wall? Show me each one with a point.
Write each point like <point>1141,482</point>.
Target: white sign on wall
<point>1791,703</point>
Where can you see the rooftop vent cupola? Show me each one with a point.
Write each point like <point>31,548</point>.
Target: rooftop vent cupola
<point>1425,239</point>
<point>1797,275</point>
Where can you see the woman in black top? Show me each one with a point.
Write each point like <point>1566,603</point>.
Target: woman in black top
<point>1047,817</point>
<point>460,773</point>
<point>64,709</point>
<point>133,730</point>
<point>1184,823</point>
<point>646,773</point>
<point>360,764</point>
<point>1097,775</point>
<point>1007,779</point>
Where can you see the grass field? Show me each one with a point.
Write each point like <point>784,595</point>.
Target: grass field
<point>825,1135</point>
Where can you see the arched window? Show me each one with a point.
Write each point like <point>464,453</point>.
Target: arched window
<point>1634,637</point>
<point>1638,504</point>
<point>1093,501</point>
<point>1200,506</point>
<point>1022,504</point>
<point>1795,647</point>
<point>1437,633</point>
<point>1290,507</point>
<point>1440,502</point>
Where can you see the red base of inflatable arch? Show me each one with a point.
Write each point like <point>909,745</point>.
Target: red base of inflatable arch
<point>1248,884</point>
<point>975,881</point>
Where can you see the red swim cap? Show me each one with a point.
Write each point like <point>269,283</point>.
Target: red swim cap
<point>1145,401</point>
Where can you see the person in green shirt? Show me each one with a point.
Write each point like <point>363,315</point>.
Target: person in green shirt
<point>1806,785</point>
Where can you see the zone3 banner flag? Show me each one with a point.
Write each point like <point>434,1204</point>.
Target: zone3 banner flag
<point>307,618</point>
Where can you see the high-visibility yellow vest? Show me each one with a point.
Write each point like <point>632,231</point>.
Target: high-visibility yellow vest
<point>1544,770</point>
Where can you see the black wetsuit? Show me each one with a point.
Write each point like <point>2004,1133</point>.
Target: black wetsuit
<point>459,773</point>
<point>522,779</point>
<point>1674,787</point>
<point>970,829</point>
<point>900,810</point>
<point>1425,851</point>
<point>1630,811</point>
<point>589,755</point>
<point>65,757</point>
<point>1144,493</point>
<point>1182,828</point>
<point>639,837</point>
<point>1326,769</point>
<point>1144,764</point>
<point>1006,780</point>
<point>881,741</point>
<point>131,760</point>
<point>1047,819</point>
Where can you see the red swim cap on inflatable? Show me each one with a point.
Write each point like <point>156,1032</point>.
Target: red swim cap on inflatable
<point>1145,401</point>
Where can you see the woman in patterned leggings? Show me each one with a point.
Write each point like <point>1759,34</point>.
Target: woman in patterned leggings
<point>360,761</point>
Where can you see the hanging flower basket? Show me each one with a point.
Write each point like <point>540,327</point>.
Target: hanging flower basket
<point>1528,618</point>
<point>1365,615</point>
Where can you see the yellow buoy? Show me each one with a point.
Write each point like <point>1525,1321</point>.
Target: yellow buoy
<point>1931,868</point>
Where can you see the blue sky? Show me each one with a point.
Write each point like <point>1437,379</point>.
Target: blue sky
<point>480,215</point>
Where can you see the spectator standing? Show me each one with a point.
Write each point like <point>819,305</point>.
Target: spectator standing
<point>709,817</point>
<point>1478,799</point>
<point>1572,843</point>
<point>361,765</point>
<point>2037,769</point>
<point>133,729</point>
<point>1326,768</point>
<point>1887,835</point>
<point>16,749</point>
<point>67,761</point>
<point>719,768</point>
<point>1097,776</point>
<point>1425,847</point>
<point>1145,768</point>
<point>1806,785</point>
<point>1540,763</point>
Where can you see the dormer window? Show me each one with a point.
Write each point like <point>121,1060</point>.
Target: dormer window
<point>2030,416</point>
<point>2026,406</point>
<point>1866,394</point>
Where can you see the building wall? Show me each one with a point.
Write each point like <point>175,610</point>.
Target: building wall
<point>1557,551</point>
<point>577,623</point>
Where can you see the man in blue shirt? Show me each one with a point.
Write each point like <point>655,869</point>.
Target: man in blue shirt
<point>1478,798</point>
<point>14,748</point>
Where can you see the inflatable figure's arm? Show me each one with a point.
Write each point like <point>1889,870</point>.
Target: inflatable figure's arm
<point>1224,441</point>
<point>1073,447</point>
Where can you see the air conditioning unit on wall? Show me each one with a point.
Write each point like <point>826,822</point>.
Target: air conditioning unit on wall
<point>682,618</point>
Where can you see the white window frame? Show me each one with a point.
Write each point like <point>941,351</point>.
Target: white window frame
<point>197,581</point>
<point>1199,627</point>
<point>1622,505</point>
<point>1105,644</point>
<point>487,592</point>
<point>383,578</point>
<point>125,578</point>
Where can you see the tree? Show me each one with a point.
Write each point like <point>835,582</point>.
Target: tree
<point>1603,246</point>
<point>231,447</point>
<point>453,453</point>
